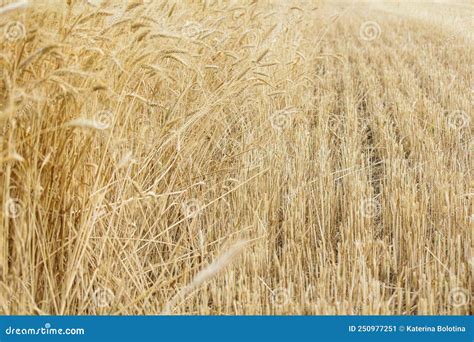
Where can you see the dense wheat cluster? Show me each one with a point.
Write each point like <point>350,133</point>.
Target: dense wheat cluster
<point>246,157</point>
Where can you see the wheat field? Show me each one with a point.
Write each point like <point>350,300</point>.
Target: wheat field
<point>236,157</point>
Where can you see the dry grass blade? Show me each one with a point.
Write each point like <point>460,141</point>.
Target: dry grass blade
<point>207,273</point>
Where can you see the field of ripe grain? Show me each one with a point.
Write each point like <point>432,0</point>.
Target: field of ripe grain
<point>236,157</point>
